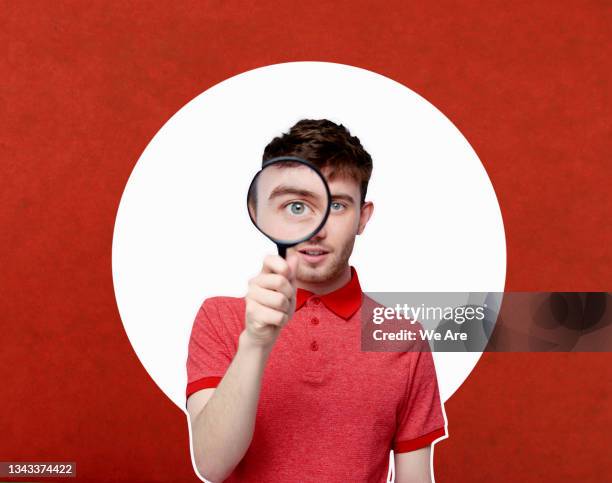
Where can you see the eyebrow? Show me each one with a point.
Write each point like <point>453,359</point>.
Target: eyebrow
<point>289,190</point>
<point>343,197</point>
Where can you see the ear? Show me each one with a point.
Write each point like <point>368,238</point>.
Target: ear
<point>364,216</point>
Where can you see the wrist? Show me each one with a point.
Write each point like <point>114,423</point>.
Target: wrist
<point>248,344</point>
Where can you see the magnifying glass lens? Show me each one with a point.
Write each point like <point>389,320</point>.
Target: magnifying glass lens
<point>288,201</point>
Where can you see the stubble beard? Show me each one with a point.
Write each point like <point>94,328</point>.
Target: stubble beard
<point>330,270</point>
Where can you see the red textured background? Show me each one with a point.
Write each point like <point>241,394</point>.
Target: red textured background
<point>85,85</point>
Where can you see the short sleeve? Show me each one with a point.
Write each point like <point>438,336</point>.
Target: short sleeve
<point>209,353</point>
<point>420,414</point>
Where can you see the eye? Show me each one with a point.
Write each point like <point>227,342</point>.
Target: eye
<point>337,206</point>
<point>296,208</point>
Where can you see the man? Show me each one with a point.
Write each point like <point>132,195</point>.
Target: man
<point>278,387</point>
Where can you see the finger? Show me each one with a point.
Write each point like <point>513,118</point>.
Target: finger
<point>275,264</point>
<point>267,316</point>
<point>292,262</point>
<point>270,298</point>
<point>273,281</point>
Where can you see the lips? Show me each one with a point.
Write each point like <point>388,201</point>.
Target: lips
<point>313,254</point>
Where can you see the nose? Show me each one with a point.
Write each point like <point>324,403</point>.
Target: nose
<point>321,234</point>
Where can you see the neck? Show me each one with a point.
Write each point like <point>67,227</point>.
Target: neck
<point>322,288</point>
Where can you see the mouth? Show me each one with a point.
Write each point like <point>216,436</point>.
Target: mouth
<point>313,254</point>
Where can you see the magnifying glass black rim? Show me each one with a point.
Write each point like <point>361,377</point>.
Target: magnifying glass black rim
<point>280,159</point>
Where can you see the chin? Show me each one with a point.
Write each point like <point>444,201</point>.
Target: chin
<point>317,274</point>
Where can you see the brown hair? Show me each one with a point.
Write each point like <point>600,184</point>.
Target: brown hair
<point>326,145</point>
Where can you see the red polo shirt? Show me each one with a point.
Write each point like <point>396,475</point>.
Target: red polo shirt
<point>327,411</point>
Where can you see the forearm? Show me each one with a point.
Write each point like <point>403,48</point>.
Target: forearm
<point>414,466</point>
<point>223,430</point>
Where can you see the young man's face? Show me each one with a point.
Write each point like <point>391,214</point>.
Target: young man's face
<point>325,256</point>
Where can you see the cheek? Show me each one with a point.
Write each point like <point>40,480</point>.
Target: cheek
<point>352,222</point>
<point>345,228</point>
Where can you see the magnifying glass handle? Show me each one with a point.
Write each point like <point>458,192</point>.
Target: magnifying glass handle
<point>282,250</point>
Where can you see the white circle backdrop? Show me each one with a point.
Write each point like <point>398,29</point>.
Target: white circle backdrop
<point>183,234</point>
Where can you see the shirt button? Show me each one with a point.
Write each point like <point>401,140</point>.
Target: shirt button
<point>314,346</point>
<point>316,301</point>
<point>314,321</point>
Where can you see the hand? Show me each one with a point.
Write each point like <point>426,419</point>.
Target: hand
<point>270,300</point>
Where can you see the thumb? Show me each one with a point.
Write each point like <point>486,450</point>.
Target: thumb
<point>292,261</point>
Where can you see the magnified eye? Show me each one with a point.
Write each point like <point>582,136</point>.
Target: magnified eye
<point>296,208</point>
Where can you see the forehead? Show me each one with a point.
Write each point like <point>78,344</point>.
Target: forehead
<point>339,181</point>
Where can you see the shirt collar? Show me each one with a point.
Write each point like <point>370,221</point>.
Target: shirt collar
<point>344,301</point>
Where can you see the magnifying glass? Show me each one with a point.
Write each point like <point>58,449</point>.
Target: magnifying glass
<point>288,201</point>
